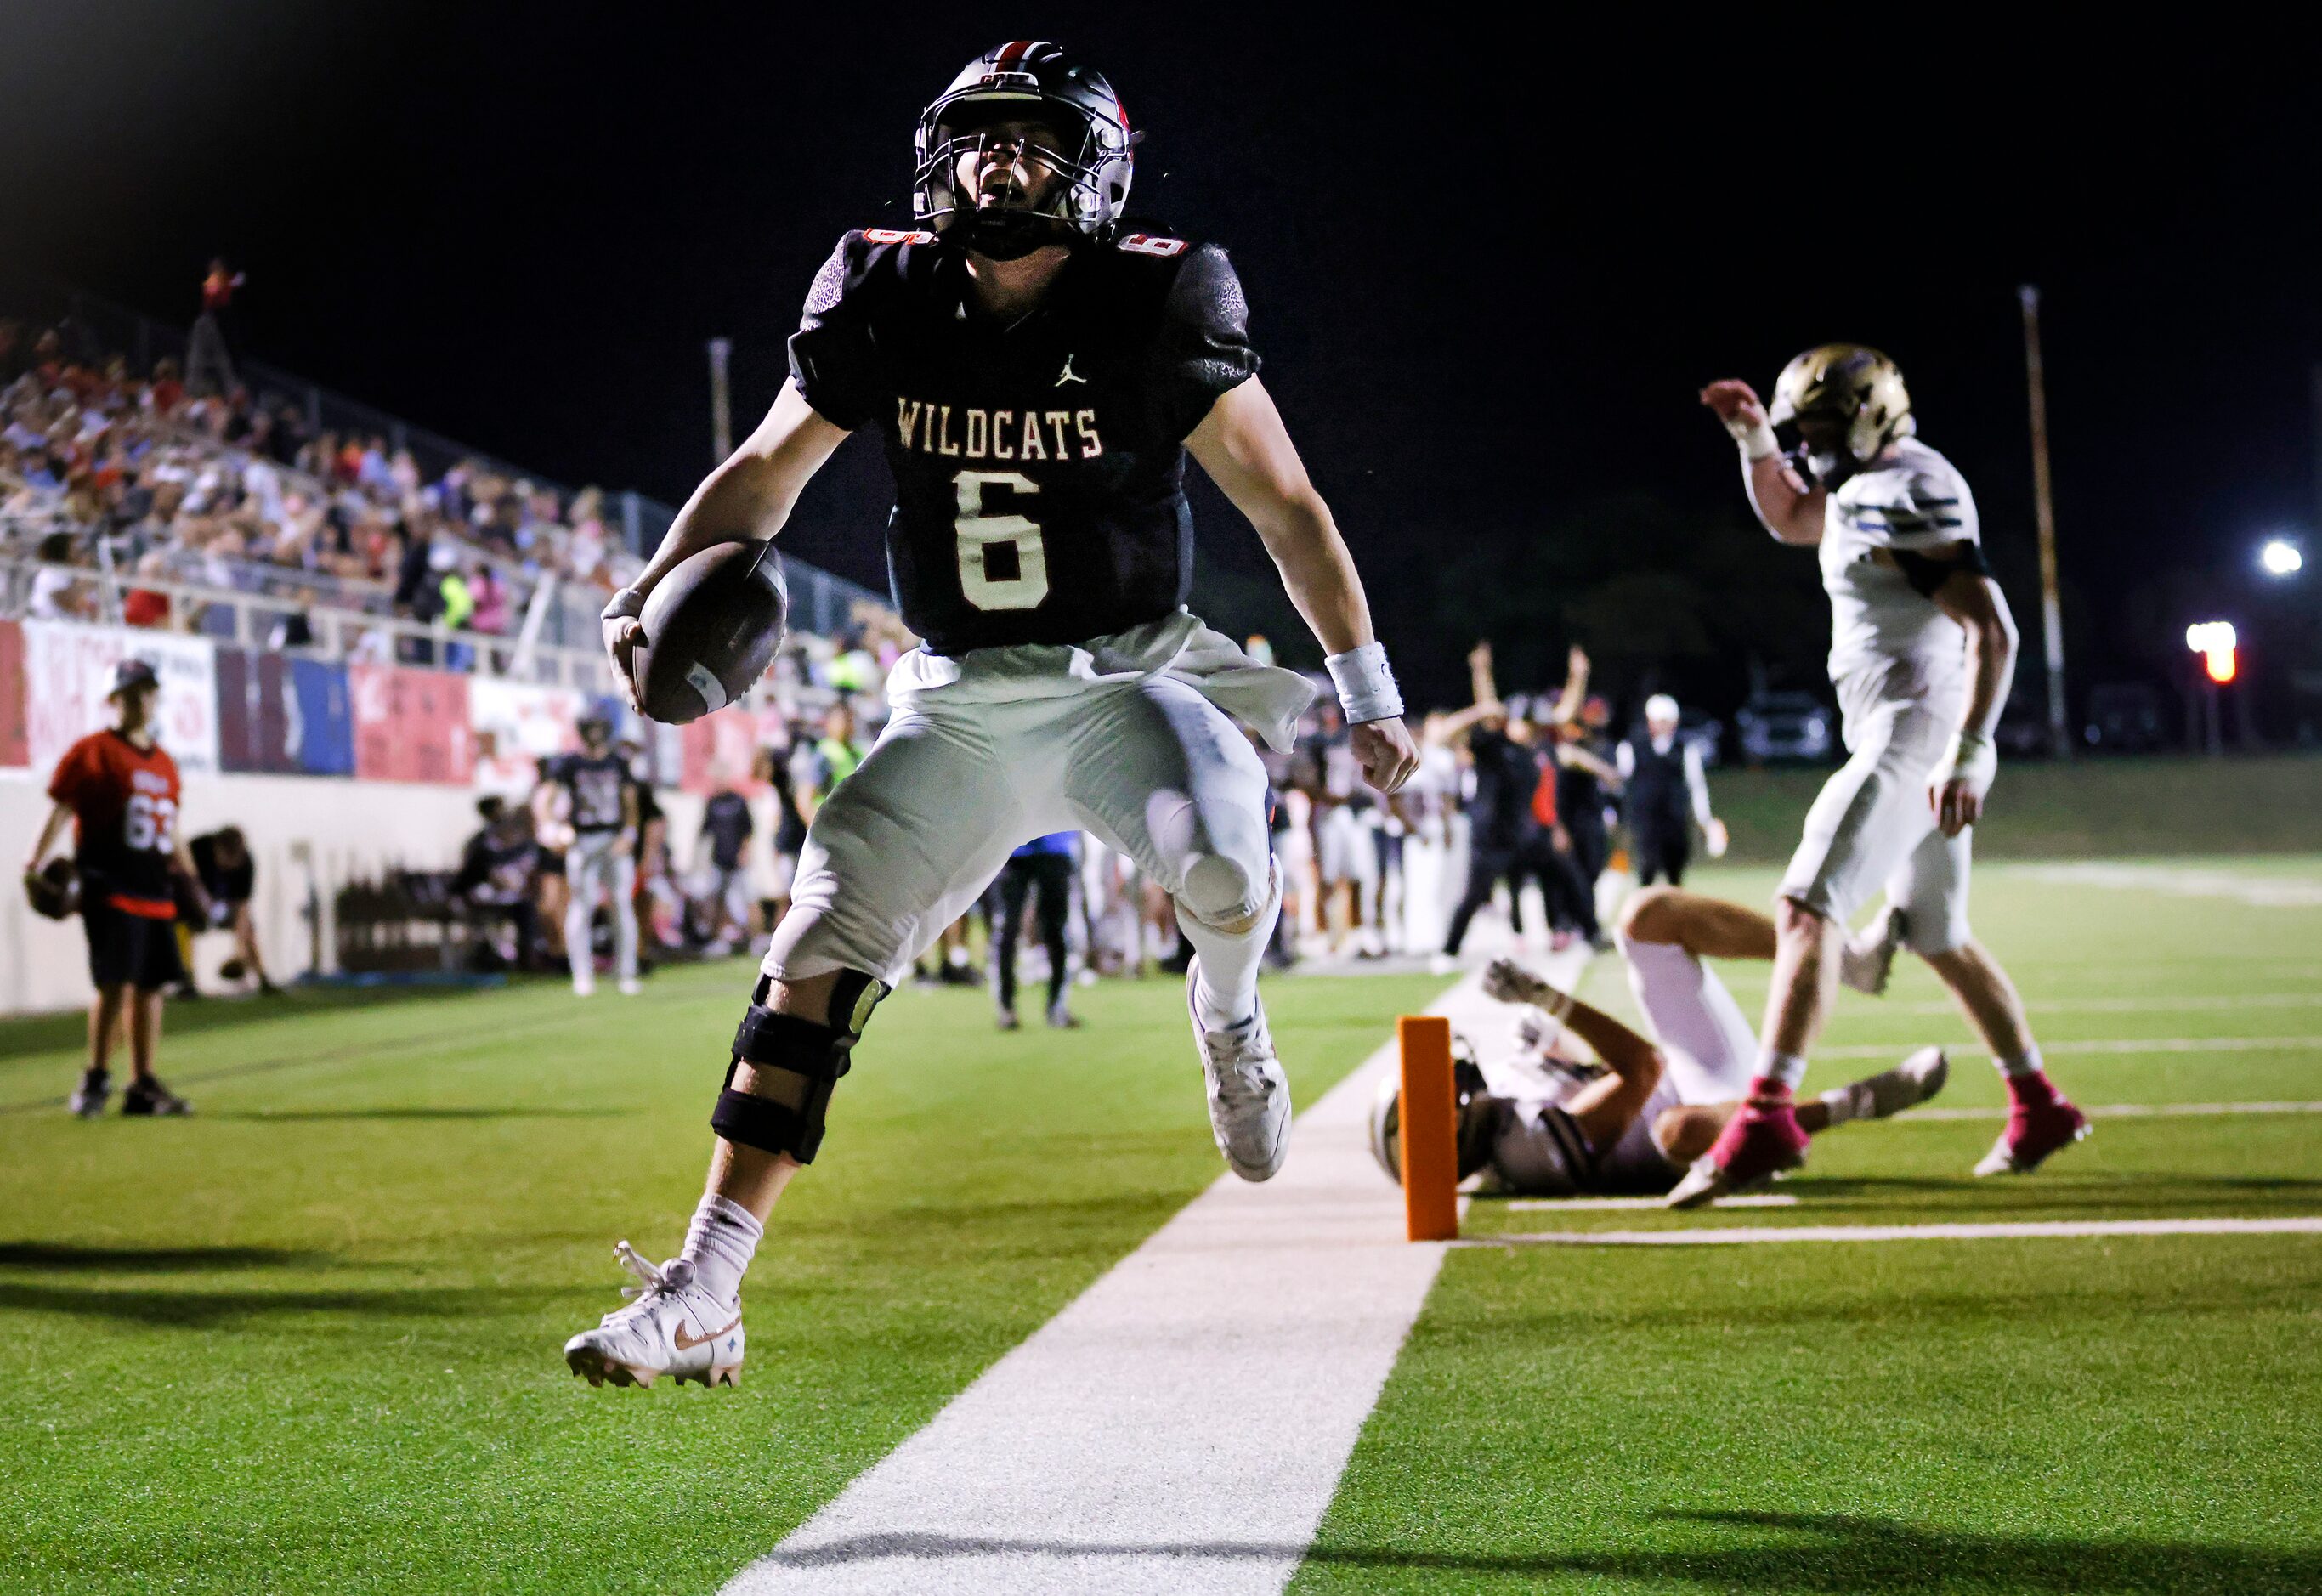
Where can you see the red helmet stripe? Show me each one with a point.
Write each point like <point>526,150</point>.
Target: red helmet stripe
<point>1014,53</point>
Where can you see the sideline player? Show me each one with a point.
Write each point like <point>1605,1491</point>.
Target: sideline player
<point>1921,651</point>
<point>602,810</point>
<point>1547,1125</point>
<point>1036,369</point>
<point>1664,788</point>
<point>119,787</point>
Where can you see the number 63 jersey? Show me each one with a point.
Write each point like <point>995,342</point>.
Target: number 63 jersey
<point>1039,461</point>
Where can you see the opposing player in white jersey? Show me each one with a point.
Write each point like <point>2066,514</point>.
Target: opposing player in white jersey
<point>601,804</point>
<point>1922,649</point>
<point>1539,1121</point>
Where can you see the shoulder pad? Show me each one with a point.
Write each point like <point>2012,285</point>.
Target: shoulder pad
<point>896,235</point>
<point>1148,243</point>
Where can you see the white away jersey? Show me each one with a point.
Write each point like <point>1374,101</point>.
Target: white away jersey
<point>1911,502</point>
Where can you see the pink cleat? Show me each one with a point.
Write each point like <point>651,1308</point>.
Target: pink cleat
<point>2035,1130</point>
<point>1762,1138</point>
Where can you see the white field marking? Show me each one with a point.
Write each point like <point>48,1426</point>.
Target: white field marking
<point>1762,1234</point>
<point>2188,1004</point>
<point>1566,1204</point>
<point>2104,1045</point>
<point>2255,890</point>
<point>1182,1425</point>
<point>2126,1111</point>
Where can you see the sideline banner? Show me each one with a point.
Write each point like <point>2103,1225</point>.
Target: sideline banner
<point>411,725</point>
<point>257,726</point>
<point>721,750</point>
<point>517,726</point>
<point>68,668</point>
<point>322,719</point>
<point>14,750</point>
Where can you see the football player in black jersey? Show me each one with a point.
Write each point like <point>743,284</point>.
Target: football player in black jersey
<point>602,808</point>
<point>1037,370</point>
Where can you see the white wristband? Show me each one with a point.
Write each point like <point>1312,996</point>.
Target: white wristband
<point>1756,439</point>
<point>626,604</point>
<point>1367,689</point>
<point>1974,760</point>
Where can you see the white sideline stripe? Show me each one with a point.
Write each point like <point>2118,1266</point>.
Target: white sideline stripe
<point>2126,1111</point>
<point>1182,1425</point>
<point>2185,883</point>
<point>1759,1234</point>
<point>2104,1045</point>
<point>2184,1005</point>
<point>1566,1204</point>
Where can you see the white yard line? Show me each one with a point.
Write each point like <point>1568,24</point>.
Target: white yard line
<point>2252,890</point>
<point>2181,1005</point>
<point>2104,1045</point>
<point>2126,1111</point>
<point>1567,1205</point>
<point>1762,1234</point>
<point>1181,1426</point>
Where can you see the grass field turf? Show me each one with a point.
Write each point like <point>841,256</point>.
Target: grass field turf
<point>2132,1413</point>
<point>306,1341</point>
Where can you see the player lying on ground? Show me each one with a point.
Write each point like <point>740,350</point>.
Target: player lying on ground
<point>1037,370</point>
<point>1546,1123</point>
<point>1921,651</point>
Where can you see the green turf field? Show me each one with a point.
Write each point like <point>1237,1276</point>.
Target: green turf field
<point>306,1341</point>
<point>2132,1413</point>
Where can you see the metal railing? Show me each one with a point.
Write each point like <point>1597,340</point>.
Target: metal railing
<point>246,620</point>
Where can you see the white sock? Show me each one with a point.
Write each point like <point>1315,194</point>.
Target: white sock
<point>2027,1064</point>
<point>718,1245</point>
<point>1227,993</point>
<point>1848,1102</point>
<point>1788,1068</point>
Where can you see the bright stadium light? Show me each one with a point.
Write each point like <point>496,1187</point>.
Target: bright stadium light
<point>2214,642</point>
<point>2280,557</point>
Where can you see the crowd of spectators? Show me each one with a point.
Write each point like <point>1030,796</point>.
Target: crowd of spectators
<point>148,476</point>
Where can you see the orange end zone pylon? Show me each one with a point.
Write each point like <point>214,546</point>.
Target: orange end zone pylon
<point>1429,1137</point>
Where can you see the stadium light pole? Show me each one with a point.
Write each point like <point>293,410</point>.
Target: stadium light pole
<point>721,401</point>
<point>2052,609</point>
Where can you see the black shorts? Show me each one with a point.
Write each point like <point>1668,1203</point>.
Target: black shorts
<point>130,950</point>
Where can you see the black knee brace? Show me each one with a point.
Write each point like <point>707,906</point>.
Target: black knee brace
<point>817,1053</point>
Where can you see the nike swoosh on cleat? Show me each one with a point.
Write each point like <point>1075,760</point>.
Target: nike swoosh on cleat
<point>686,1342</point>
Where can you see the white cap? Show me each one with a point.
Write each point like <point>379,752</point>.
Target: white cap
<point>1661,709</point>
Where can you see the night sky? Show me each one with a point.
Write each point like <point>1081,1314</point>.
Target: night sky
<point>1487,272</point>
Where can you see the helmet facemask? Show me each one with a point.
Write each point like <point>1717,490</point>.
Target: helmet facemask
<point>1076,133</point>
<point>1836,409</point>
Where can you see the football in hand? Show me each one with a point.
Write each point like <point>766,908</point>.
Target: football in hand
<point>711,627</point>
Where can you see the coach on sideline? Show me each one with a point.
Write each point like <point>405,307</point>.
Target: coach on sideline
<point>120,788</point>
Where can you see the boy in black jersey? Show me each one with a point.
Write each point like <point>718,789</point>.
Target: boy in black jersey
<point>603,815</point>
<point>1036,372</point>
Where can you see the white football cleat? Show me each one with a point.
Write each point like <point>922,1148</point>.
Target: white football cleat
<point>674,1328</point>
<point>584,983</point>
<point>631,985</point>
<point>1865,962</point>
<point>1249,1095</point>
<point>1906,1086</point>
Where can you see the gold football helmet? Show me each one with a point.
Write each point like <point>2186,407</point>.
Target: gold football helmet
<point>1851,385</point>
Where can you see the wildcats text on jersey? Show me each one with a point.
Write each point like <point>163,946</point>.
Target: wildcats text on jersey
<point>979,433</point>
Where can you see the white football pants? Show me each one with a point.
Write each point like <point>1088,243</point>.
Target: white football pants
<point>597,861</point>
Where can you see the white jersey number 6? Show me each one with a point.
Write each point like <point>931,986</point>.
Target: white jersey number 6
<point>978,531</point>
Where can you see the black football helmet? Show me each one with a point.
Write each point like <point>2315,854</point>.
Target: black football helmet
<point>1030,79</point>
<point>1477,1123</point>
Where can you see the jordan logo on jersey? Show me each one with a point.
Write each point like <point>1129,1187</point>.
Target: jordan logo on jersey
<point>1069,375</point>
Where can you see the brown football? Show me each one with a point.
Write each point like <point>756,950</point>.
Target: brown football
<point>711,627</point>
